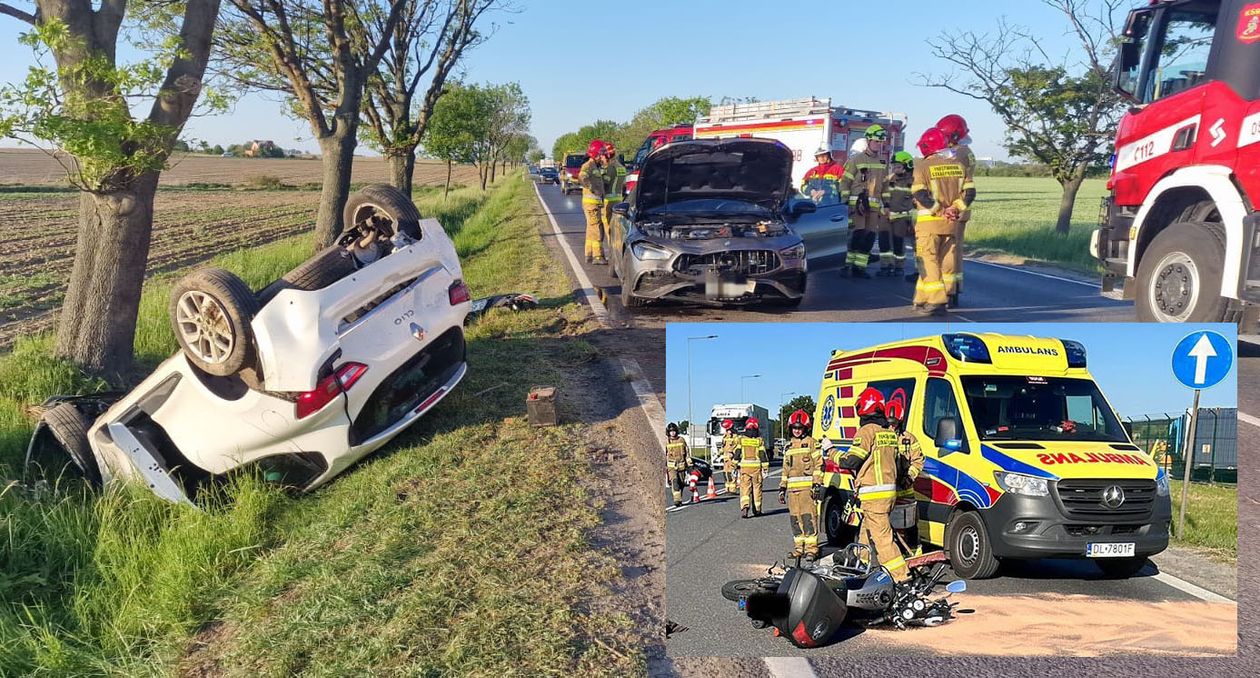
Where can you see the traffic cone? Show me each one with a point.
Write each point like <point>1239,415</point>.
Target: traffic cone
<point>712,490</point>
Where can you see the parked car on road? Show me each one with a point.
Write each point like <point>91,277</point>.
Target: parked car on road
<point>549,175</point>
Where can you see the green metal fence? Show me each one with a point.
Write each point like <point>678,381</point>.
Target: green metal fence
<point>1214,452</point>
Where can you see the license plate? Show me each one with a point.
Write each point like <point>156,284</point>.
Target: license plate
<point>1109,550</point>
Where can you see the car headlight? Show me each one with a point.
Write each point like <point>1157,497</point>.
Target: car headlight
<point>1161,484</point>
<point>645,251</point>
<point>1019,483</point>
<point>794,253</point>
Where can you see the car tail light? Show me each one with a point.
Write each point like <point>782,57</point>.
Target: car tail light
<point>459,293</point>
<point>329,388</point>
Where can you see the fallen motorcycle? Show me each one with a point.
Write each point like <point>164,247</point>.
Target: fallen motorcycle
<point>807,604</point>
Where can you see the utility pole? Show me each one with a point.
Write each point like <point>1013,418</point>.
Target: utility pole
<point>691,422</point>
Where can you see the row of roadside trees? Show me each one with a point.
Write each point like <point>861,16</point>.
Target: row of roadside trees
<point>115,81</point>
<point>628,136</point>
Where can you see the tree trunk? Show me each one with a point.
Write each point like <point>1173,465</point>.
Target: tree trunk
<point>1068,201</point>
<point>97,325</point>
<point>338,160</point>
<point>494,165</point>
<point>447,191</point>
<point>402,167</point>
<point>484,173</point>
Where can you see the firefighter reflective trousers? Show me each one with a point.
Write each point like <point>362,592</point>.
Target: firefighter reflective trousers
<point>804,518</point>
<point>750,480</point>
<point>678,480</point>
<point>594,211</point>
<point>934,255</point>
<point>877,533</point>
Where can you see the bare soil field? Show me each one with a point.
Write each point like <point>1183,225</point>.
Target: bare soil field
<point>29,167</point>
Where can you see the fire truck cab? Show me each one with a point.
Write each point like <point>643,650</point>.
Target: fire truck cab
<point>1179,227</point>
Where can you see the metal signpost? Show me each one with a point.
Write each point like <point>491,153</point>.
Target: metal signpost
<point>1200,360</point>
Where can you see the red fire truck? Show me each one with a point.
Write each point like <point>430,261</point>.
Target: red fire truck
<point>1179,228</point>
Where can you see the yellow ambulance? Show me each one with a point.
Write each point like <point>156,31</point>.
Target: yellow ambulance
<point>1024,456</point>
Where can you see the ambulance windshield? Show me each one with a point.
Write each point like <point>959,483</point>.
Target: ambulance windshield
<point>1040,408</point>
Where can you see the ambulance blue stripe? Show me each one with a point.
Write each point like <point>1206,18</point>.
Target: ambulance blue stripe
<point>1013,465</point>
<point>966,487</point>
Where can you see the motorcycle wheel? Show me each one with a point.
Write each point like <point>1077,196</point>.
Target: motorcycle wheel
<point>742,588</point>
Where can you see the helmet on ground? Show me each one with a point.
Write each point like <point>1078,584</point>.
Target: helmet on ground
<point>824,149</point>
<point>954,127</point>
<point>672,429</point>
<point>932,141</point>
<point>799,418</point>
<point>727,424</point>
<point>595,148</point>
<point>894,409</point>
<point>877,132</point>
<point>870,401</point>
<point>752,423</point>
<point>904,158</point>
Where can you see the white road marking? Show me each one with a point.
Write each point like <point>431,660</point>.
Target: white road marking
<point>789,667</point>
<point>588,289</point>
<point>1248,419</point>
<point>1039,275</point>
<point>1196,591</point>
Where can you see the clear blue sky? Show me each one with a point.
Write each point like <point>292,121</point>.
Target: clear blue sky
<point>647,49</point>
<point>1131,362</point>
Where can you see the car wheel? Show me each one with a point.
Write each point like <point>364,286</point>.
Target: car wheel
<point>838,532</point>
<point>968,547</point>
<point>383,208</point>
<point>320,271</point>
<point>628,299</point>
<point>742,588</point>
<point>1121,568</point>
<point>69,450</point>
<point>1179,279</point>
<point>210,313</point>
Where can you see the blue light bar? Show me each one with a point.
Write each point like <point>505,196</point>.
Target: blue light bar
<point>967,347</point>
<point>1075,351</point>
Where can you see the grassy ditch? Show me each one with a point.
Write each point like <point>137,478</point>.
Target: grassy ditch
<point>1016,215</point>
<point>459,549</point>
<point>1211,519</point>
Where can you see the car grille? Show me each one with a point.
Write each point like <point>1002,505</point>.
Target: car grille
<point>744,262</point>
<point>1082,499</point>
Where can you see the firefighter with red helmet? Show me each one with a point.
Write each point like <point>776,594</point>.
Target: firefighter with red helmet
<point>822,182</point>
<point>677,459</point>
<point>862,186</point>
<point>800,485</point>
<point>730,442</point>
<point>873,457</point>
<point>958,137</point>
<point>909,467</point>
<point>943,191</point>
<point>594,188</point>
<point>614,181</point>
<point>753,465</point>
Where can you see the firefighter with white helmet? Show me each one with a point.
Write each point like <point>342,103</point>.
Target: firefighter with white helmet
<point>753,465</point>
<point>873,457</point>
<point>800,485</point>
<point>677,459</point>
<point>822,182</point>
<point>863,186</point>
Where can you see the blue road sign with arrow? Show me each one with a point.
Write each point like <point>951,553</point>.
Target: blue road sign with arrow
<point>1202,359</point>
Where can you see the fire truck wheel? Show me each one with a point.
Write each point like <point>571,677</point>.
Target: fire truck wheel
<point>1179,279</point>
<point>967,543</point>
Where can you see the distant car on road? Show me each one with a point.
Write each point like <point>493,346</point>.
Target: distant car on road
<point>708,224</point>
<point>549,175</point>
<point>569,176</point>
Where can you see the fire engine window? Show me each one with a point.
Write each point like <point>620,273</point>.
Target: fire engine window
<point>938,402</point>
<point>1183,54</point>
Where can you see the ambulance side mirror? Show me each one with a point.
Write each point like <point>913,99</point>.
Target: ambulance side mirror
<point>948,436</point>
<point>1128,429</point>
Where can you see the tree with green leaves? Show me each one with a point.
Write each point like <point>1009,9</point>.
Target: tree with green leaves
<point>509,118</point>
<point>536,154</point>
<point>83,105</point>
<point>800,402</point>
<point>320,54</point>
<point>427,42</point>
<point>458,120</point>
<point>1059,111</point>
<point>664,112</point>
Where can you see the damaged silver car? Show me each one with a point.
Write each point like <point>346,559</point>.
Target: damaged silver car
<point>708,223</point>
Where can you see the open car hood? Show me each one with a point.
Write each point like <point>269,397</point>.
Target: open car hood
<point>755,170</point>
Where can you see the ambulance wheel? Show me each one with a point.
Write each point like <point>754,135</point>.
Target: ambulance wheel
<point>967,543</point>
<point>838,532</point>
<point>1179,279</point>
<point>1121,568</point>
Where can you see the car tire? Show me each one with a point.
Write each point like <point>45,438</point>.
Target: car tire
<point>68,428</point>
<point>628,299</point>
<point>742,588</point>
<point>210,312</point>
<point>1180,275</point>
<point>1121,568</point>
<point>837,532</point>
<point>967,545</point>
<point>320,271</point>
<point>383,201</point>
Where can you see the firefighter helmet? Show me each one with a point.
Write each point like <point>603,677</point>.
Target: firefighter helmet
<point>610,149</point>
<point>904,158</point>
<point>727,424</point>
<point>870,401</point>
<point>877,133</point>
<point>752,423</point>
<point>954,127</point>
<point>823,149</point>
<point>672,429</point>
<point>799,418</point>
<point>894,409</point>
<point>932,141</point>
<point>595,148</point>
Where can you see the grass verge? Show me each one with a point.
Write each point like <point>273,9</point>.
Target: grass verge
<point>1016,215</point>
<point>1211,519</point>
<point>460,549</point>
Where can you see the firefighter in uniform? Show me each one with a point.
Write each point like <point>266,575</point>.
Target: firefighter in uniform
<point>753,464</point>
<point>677,459</point>
<point>954,127</point>
<point>800,486</point>
<point>909,466</point>
<point>730,442</point>
<point>825,176</point>
<point>873,457</point>
<point>862,185</point>
<point>899,211</point>
<point>594,187</point>
<point>615,183</point>
<point>943,192</point>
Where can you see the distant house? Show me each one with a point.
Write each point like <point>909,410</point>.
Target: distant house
<point>262,148</point>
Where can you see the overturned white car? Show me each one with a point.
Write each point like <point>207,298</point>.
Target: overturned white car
<point>300,379</point>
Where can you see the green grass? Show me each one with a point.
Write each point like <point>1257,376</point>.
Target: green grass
<point>459,549</point>
<point>1211,519</point>
<point>1016,215</point>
